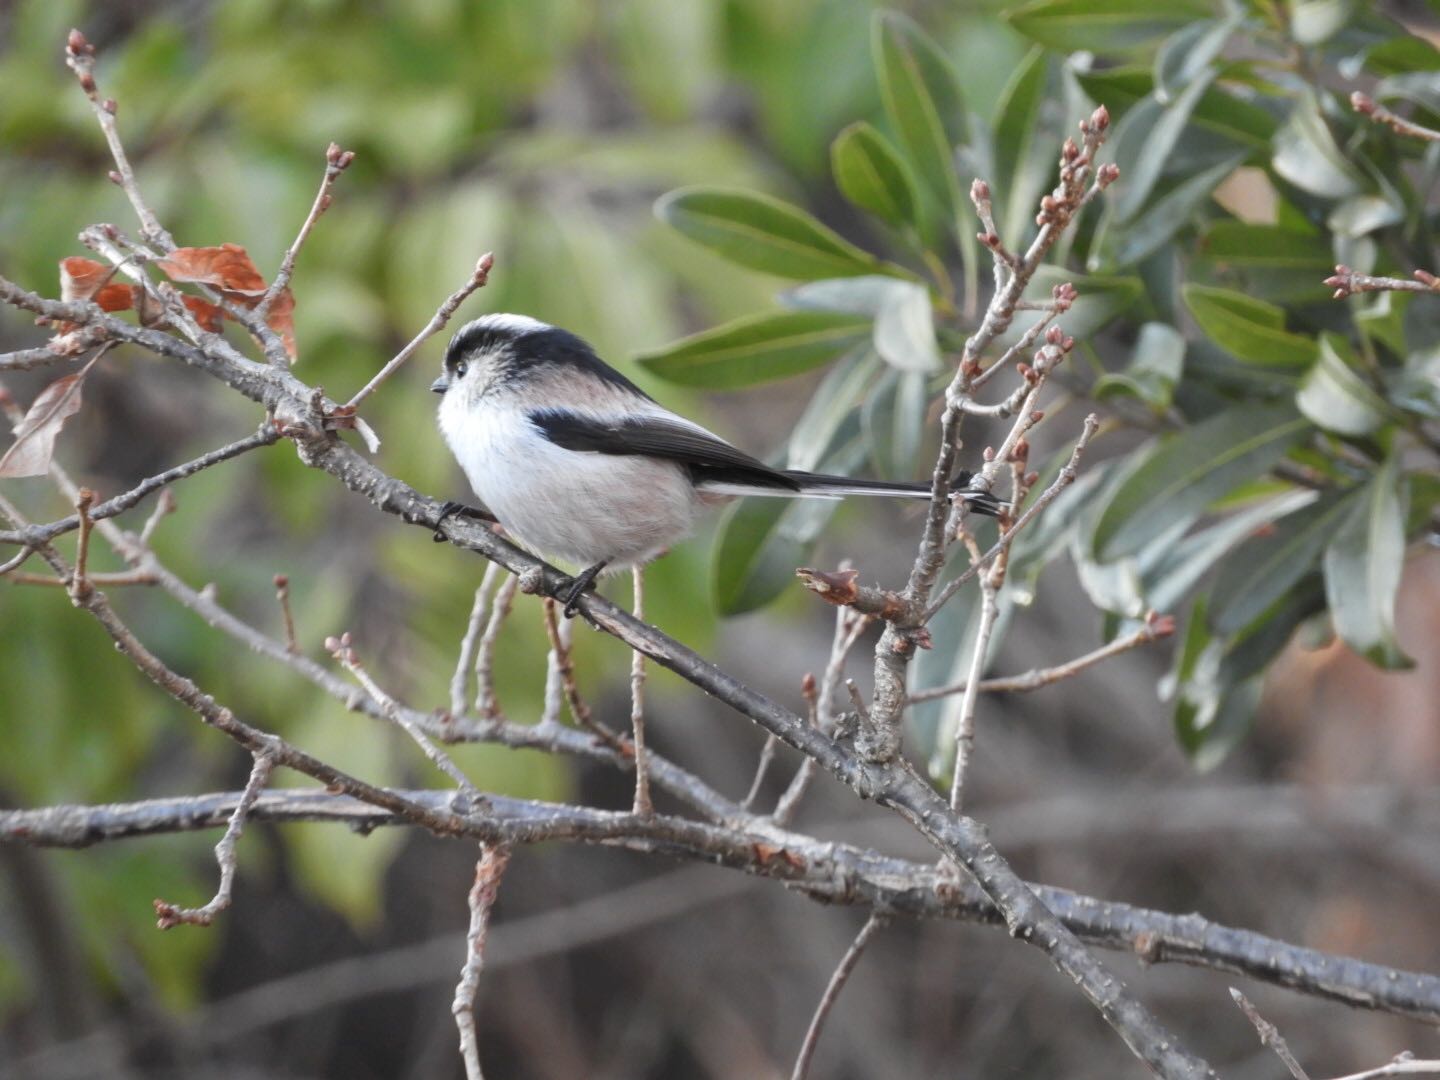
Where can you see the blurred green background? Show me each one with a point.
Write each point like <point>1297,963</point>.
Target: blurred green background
<point>543,130</point>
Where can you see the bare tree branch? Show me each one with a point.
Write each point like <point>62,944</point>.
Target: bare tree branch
<point>488,871</point>
<point>832,993</point>
<point>834,873</point>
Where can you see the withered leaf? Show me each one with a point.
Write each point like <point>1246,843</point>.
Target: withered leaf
<point>86,279</point>
<point>227,268</point>
<point>34,445</point>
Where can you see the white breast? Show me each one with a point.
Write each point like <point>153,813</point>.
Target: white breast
<point>582,508</point>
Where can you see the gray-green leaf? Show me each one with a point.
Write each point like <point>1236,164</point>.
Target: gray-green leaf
<point>766,234</point>
<point>1336,396</point>
<point>1192,469</point>
<point>1362,570</point>
<point>758,348</point>
<point>872,175</point>
<point>1249,329</point>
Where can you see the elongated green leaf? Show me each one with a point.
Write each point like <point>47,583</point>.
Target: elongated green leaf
<point>905,329</point>
<point>1218,112</point>
<point>1017,132</point>
<point>1249,329</point>
<point>1266,247</point>
<point>1336,396</point>
<point>1263,569</point>
<point>1145,142</point>
<point>759,348</point>
<point>766,234</point>
<point>1188,52</point>
<point>1102,25</point>
<point>1154,369</point>
<point>1143,235</point>
<point>836,398</point>
<point>904,320</point>
<point>921,94</point>
<point>1306,155</point>
<point>1362,570</point>
<point>1179,569</point>
<point>1192,469</point>
<point>761,542</point>
<point>872,174</point>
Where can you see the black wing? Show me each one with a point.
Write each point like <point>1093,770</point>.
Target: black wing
<point>707,457</point>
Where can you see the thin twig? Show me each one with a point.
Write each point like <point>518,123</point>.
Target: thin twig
<point>10,565</point>
<point>473,627</point>
<point>436,323</point>
<point>1406,1064</point>
<point>762,769</point>
<point>1062,481</point>
<point>1155,628</point>
<point>123,577</point>
<point>167,915</point>
<point>642,805</point>
<point>164,505</point>
<point>1347,282</point>
<point>486,703</point>
<point>848,628</point>
<point>1368,106</point>
<point>79,586</point>
<point>80,58</point>
<point>1269,1035</point>
<point>488,871</point>
<point>565,665</point>
<point>832,993</point>
<point>266,436</point>
<point>282,594</point>
<point>336,162</point>
<point>343,651</point>
<point>965,722</point>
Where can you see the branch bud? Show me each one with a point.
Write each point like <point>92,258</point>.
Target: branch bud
<point>1364,104</point>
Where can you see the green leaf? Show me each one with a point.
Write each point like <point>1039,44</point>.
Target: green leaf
<point>1188,471</point>
<point>1155,368</point>
<point>1145,143</point>
<point>762,540</point>
<point>1249,329</point>
<point>764,233</point>
<point>904,320</point>
<point>1313,22</point>
<point>1363,565</point>
<point>1218,112</point>
<point>1306,154</point>
<point>872,174</point>
<point>892,420</point>
<point>1127,244</point>
<point>1102,25</point>
<point>1170,579</point>
<point>921,94</point>
<point>834,401</point>
<point>905,329</point>
<point>1244,246</point>
<point>756,349</point>
<point>1264,568</point>
<point>1017,133</point>
<point>1188,52</point>
<point>1336,396</point>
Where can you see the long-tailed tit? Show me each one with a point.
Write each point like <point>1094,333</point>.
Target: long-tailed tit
<point>579,464</point>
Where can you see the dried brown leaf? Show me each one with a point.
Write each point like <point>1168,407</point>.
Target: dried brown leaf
<point>34,445</point>
<point>227,268</point>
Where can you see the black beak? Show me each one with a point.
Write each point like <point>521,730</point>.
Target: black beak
<point>441,384</point>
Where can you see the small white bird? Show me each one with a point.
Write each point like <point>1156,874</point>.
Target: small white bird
<point>579,464</point>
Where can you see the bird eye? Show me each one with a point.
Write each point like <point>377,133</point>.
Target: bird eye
<point>460,368</point>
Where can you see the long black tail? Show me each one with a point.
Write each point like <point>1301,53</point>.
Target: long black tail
<point>794,484</point>
<point>822,486</point>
